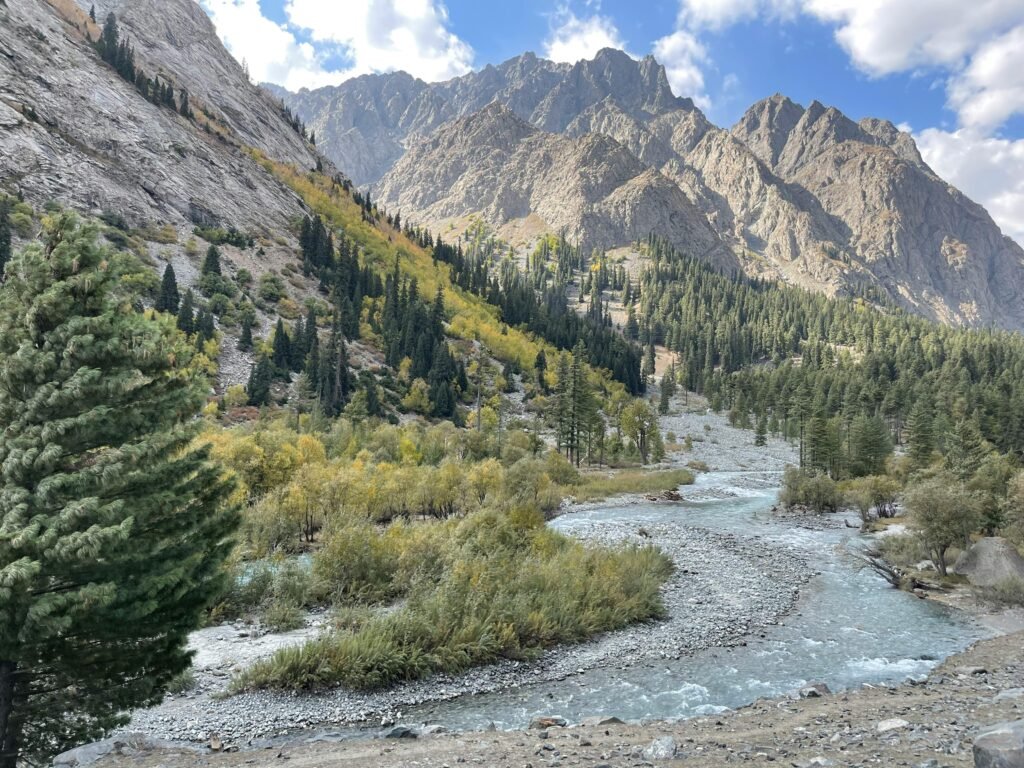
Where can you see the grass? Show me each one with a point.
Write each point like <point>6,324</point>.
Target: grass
<point>594,487</point>
<point>508,587</point>
<point>1006,594</point>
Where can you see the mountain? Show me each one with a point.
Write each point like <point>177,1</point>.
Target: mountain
<point>805,195</point>
<point>366,124</point>
<point>591,187</point>
<point>73,131</point>
<point>921,238</point>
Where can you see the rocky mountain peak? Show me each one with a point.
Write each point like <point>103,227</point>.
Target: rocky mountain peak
<point>765,127</point>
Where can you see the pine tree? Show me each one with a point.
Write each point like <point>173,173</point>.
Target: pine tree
<point>186,314</point>
<point>245,337</point>
<point>761,434</point>
<point>205,328</point>
<point>281,356</point>
<point>965,449</point>
<point>115,526</point>
<point>185,109</point>
<point>211,263</point>
<point>922,436</point>
<point>540,365</point>
<point>168,299</point>
<point>260,378</point>
<point>5,234</point>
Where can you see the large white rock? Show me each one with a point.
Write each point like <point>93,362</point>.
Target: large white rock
<point>989,562</point>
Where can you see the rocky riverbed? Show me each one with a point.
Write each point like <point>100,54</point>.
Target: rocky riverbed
<point>724,588</point>
<point>922,724</point>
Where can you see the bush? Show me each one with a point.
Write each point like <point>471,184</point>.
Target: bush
<point>814,490</point>
<point>271,288</point>
<point>560,470</point>
<point>1006,594</point>
<point>510,589</point>
<point>903,550</point>
<point>356,565</point>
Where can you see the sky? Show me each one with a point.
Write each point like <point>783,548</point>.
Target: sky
<point>951,72</point>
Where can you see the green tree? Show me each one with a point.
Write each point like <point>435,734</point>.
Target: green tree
<point>640,425</point>
<point>281,357</point>
<point>761,433</point>
<point>186,314</point>
<point>965,450</point>
<point>168,298</point>
<point>943,512</point>
<point>211,262</point>
<point>114,525</point>
<point>245,336</point>
<point>922,436</point>
<point>540,365</point>
<point>869,446</point>
<point>260,378</point>
<point>5,234</point>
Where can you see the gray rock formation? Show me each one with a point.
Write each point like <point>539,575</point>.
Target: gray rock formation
<point>367,123</point>
<point>806,195</point>
<point>97,145</point>
<point>592,188</point>
<point>990,561</point>
<point>1000,746</point>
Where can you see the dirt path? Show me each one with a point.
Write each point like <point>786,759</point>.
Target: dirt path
<point>929,725</point>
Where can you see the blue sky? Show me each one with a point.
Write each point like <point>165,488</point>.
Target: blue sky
<point>950,72</point>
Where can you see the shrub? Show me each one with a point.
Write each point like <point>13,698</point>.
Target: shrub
<point>1006,594</point>
<point>510,589</point>
<point>560,470</point>
<point>814,490</point>
<point>271,287</point>
<point>356,564</point>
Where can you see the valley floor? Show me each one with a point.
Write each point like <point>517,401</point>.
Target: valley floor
<point>930,724</point>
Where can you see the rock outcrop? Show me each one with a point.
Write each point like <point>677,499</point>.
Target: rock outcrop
<point>989,562</point>
<point>591,188</point>
<point>73,131</point>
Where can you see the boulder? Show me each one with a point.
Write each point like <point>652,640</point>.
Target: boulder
<point>1000,746</point>
<point>597,722</point>
<point>892,724</point>
<point>661,749</point>
<point>553,721</point>
<point>400,732</point>
<point>989,562</point>
<point>814,691</point>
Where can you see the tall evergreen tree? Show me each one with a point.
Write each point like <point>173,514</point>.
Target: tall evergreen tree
<point>922,435</point>
<point>761,433</point>
<point>186,314</point>
<point>168,299</point>
<point>245,337</point>
<point>281,356</point>
<point>115,526</point>
<point>261,376</point>
<point>540,365</point>
<point>211,262</point>
<point>5,234</point>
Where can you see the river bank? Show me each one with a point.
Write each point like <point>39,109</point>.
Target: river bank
<point>724,588</point>
<point>930,723</point>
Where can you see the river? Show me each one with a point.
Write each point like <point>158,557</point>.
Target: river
<point>850,628</point>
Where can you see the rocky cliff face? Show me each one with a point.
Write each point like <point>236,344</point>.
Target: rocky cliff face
<point>592,188</point>
<point>73,131</point>
<point>919,237</point>
<point>804,194</point>
<point>367,123</point>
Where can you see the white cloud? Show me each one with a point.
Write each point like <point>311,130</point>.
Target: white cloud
<point>991,88</point>
<point>573,38</point>
<point>271,52</point>
<point>371,36</point>
<point>887,37</point>
<point>988,170</point>
<point>385,35</point>
<point>716,14</point>
<point>683,56</point>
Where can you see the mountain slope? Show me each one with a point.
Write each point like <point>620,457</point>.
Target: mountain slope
<point>97,145</point>
<point>806,195</point>
<point>495,164</point>
<point>921,238</point>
